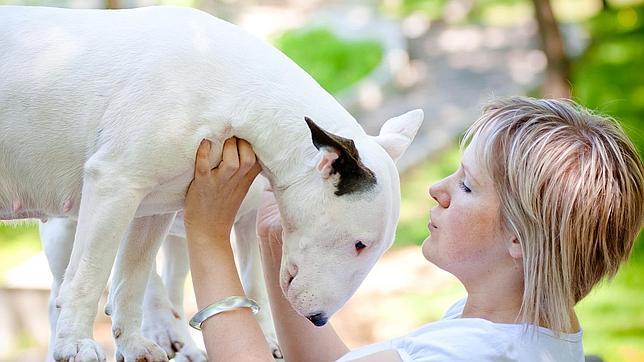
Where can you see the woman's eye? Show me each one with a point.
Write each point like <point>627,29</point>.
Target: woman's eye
<point>359,246</point>
<point>463,187</point>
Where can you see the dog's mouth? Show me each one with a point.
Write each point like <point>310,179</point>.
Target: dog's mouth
<point>287,279</point>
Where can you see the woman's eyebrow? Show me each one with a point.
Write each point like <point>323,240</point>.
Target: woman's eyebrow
<point>469,174</point>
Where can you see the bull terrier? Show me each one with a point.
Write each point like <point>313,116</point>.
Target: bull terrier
<point>101,113</point>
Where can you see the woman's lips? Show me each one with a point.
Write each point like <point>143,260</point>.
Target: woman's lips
<point>431,225</point>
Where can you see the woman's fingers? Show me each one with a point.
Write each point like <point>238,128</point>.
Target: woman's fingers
<point>247,157</point>
<point>202,161</point>
<point>229,158</point>
<point>238,159</point>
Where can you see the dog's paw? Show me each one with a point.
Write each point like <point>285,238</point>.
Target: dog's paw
<point>190,353</point>
<point>84,349</point>
<point>266,323</point>
<point>138,348</point>
<point>274,347</point>
<point>163,327</point>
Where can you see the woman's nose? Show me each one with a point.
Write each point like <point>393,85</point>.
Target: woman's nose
<point>437,192</point>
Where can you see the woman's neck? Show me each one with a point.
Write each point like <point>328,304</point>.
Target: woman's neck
<point>495,295</point>
<point>504,306</point>
<point>498,306</point>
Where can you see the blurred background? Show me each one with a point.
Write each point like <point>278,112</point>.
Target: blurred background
<point>381,58</point>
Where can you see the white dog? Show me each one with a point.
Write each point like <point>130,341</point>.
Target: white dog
<point>101,113</point>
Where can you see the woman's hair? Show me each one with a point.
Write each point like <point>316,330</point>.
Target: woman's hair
<point>571,189</point>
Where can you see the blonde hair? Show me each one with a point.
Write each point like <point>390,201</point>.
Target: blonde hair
<point>570,184</point>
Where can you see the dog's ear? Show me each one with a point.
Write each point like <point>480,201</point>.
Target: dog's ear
<point>340,155</point>
<point>398,132</point>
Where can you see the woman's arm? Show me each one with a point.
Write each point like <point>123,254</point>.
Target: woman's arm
<point>299,339</point>
<point>212,201</point>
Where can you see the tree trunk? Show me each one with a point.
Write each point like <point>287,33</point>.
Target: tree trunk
<point>111,4</point>
<point>605,5</point>
<point>558,69</point>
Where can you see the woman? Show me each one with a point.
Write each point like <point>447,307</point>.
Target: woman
<point>548,200</point>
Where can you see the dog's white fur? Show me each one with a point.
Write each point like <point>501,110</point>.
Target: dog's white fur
<point>111,105</point>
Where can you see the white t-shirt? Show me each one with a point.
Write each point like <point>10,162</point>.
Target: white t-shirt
<point>473,339</point>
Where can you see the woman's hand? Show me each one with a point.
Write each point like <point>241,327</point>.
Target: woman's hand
<point>214,195</point>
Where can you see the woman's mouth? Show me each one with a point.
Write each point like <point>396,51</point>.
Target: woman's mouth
<point>430,224</point>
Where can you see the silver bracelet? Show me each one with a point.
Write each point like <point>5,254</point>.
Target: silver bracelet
<point>223,305</point>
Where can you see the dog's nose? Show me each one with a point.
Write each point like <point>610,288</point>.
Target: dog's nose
<point>319,319</point>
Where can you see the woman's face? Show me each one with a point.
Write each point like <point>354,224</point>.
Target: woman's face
<point>466,237</point>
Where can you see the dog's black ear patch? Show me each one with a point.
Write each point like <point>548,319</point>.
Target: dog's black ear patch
<point>354,175</point>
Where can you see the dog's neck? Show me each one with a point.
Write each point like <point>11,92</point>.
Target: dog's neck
<point>286,154</point>
<point>285,149</point>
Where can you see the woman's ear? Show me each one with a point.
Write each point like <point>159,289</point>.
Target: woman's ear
<point>515,249</point>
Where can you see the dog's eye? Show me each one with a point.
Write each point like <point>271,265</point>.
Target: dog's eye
<point>359,246</point>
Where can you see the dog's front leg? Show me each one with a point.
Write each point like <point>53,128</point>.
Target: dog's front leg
<point>131,272</point>
<point>108,205</point>
<point>250,269</point>
<point>57,237</point>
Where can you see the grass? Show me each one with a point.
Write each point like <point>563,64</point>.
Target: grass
<point>333,62</point>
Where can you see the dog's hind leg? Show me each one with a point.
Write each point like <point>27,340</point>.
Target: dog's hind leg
<point>57,237</point>
<point>131,274</point>
<point>108,205</point>
<point>250,270</point>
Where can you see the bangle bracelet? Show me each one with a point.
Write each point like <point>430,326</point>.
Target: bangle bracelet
<point>224,305</point>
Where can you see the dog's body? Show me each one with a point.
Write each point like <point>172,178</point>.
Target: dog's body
<point>101,113</point>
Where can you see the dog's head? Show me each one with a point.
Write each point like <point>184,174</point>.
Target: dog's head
<point>343,217</point>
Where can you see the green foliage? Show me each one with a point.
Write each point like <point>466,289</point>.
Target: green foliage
<point>433,9</point>
<point>609,77</point>
<point>613,315</point>
<point>415,200</point>
<point>500,12</point>
<point>17,242</point>
<point>333,62</point>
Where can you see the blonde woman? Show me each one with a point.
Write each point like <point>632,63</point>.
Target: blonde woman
<point>547,201</point>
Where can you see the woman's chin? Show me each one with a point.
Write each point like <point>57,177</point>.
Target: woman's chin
<point>425,248</point>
